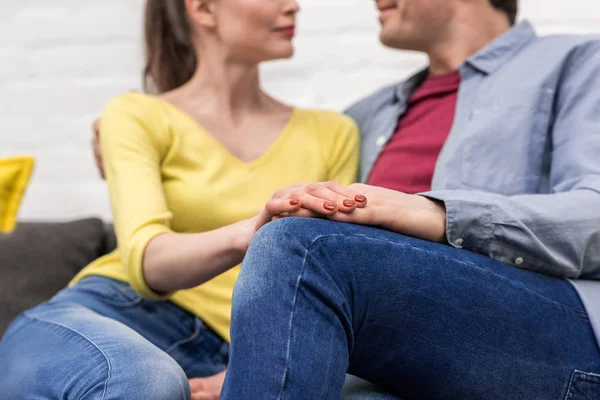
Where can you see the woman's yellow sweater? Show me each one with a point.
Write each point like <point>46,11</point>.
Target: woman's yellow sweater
<point>166,173</point>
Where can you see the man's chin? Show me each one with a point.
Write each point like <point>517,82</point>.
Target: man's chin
<point>397,42</point>
<point>391,41</point>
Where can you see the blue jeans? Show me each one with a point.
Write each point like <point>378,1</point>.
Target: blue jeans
<point>421,320</point>
<point>101,340</point>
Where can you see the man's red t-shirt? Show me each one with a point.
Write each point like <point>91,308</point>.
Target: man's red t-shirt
<point>408,161</point>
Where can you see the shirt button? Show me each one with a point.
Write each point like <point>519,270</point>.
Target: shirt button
<point>381,141</point>
<point>519,260</point>
<point>459,242</point>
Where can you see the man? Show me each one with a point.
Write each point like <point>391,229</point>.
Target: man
<point>465,292</point>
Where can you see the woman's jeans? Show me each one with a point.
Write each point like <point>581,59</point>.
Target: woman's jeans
<point>101,340</point>
<point>422,320</point>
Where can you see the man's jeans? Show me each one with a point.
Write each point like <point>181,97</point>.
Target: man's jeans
<point>422,320</point>
<point>101,340</point>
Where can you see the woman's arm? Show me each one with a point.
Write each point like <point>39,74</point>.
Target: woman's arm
<point>175,261</point>
<point>134,143</point>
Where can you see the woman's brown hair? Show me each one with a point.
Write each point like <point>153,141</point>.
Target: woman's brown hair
<point>170,55</point>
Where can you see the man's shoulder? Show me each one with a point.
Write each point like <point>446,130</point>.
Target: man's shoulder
<point>558,58</point>
<point>564,46</point>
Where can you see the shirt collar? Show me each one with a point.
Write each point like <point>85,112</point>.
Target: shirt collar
<point>405,89</point>
<point>494,55</point>
<point>487,60</point>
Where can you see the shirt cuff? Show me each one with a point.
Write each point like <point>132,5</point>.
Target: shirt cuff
<point>468,222</point>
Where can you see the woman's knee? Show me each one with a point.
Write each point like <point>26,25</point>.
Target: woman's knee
<point>55,358</point>
<point>151,376</point>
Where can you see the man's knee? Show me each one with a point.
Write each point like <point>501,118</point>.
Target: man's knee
<point>273,246</point>
<point>287,231</point>
<point>275,256</point>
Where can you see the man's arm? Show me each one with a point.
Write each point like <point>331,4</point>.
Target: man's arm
<point>557,233</point>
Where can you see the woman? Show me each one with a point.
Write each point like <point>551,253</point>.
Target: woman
<point>189,173</point>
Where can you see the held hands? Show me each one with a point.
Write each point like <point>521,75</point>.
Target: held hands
<point>407,214</point>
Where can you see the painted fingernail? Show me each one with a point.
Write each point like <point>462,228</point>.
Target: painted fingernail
<point>360,198</point>
<point>294,202</point>
<point>348,203</point>
<point>329,206</point>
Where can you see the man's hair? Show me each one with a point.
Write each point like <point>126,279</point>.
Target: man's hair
<point>510,7</point>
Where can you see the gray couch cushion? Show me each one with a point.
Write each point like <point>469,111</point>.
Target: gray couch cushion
<point>39,259</point>
<point>110,240</point>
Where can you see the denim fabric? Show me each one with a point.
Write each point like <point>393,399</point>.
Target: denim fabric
<point>100,340</point>
<point>520,172</point>
<point>423,320</point>
<point>359,389</point>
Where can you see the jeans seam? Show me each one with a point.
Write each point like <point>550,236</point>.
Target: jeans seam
<point>291,335</point>
<point>569,394</point>
<point>81,335</point>
<point>463,262</point>
<point>579,375</point>
<point>307,252</point>
<point>187,339</point>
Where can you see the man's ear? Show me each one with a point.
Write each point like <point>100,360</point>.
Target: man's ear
<point>201,12</point>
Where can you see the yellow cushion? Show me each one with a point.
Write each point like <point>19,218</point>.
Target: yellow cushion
<point>15,173</point>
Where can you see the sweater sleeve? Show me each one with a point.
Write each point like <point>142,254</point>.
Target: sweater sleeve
<point>133,143</point>
<point>344,152</point>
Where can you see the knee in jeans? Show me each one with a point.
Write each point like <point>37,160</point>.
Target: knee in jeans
<point>66,362</point>
<point>157,379</point>
<point>287,231</point>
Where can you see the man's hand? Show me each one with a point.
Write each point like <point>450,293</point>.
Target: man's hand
<point>96,147</point>
<point>207,388</point>
<point>399,212</point>
<point>410,215</point>
<point>96,144</point>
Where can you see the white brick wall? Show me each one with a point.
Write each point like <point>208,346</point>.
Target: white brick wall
<point>62,60</point>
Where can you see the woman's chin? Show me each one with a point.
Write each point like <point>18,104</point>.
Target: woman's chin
<point>281,54</point>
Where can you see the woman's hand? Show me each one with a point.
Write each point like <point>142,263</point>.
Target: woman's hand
<point>274,208</point>
<point>411,215</point>
<point>319,200</point>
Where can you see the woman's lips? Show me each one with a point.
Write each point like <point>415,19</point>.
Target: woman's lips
<point>288,31</point>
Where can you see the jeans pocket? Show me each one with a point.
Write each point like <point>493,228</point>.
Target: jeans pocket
<point>584,386</point>
<point>110,291</point>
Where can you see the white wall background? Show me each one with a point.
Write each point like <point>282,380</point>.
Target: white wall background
<point>62,60</point>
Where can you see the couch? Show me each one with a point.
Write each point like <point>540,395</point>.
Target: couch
<point>40,258</point>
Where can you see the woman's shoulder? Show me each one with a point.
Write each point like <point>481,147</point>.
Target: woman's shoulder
<point>327,123</point>
<point>134,103</point>
<point>325,116</point>
<point>134,116</point>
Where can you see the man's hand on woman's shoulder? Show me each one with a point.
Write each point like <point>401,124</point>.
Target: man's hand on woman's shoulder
<point>96,147</point>
<point>96,144</point>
